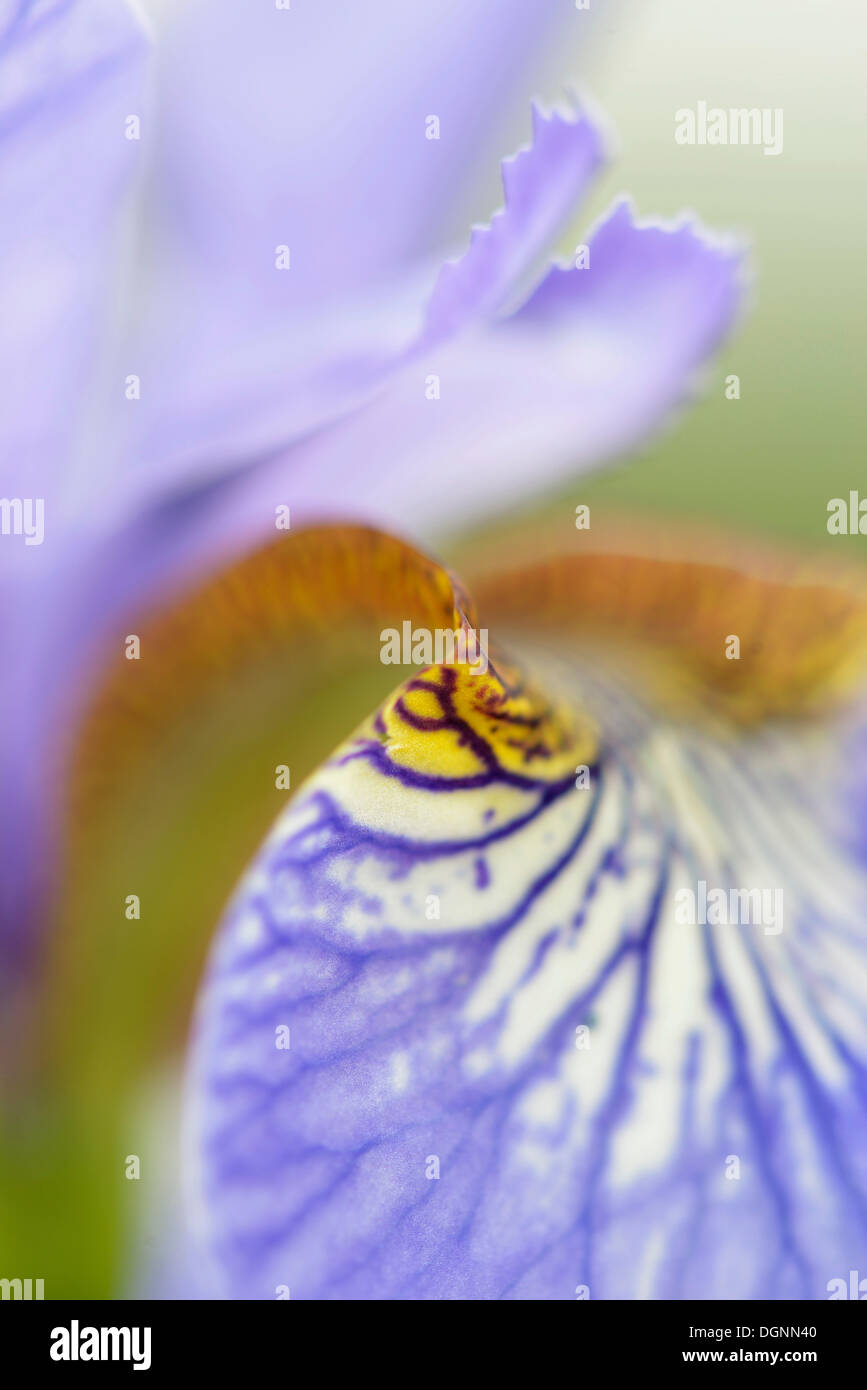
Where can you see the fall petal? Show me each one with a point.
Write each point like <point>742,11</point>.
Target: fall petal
<point>458,1040</point>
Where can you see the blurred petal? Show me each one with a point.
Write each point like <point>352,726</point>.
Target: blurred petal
<point>511,1071</point>
<point>619,590</point>
<point>191,528</point>
<point>71,73</point>
<point>541,387</point>
<point>654,303</point>
<point>856,798</point>
<point>594,362</point>
<point>272,394</point>
<point>321,148</point>
<point>335,114</point>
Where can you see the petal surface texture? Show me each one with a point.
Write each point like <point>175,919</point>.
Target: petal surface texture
<point>458,1040</point>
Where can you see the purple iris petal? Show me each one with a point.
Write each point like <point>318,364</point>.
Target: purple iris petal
<point>244,137</point>
<point>590,365</point>
<point>556,383</point>
<point>309,129</point>
<point>70,75</point>
<point>543,186</point>
<point>434,1128</point>
<point>178,489</point>
<point>338,358</point>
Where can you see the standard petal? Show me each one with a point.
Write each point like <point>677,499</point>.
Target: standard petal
<point>281,129</point>
<point>283,386</point>
<point>596,360</point>
<point>198,521</point>
<point>273,120</point>
<point>543,184</point>
<point>654,301</point>
<point>71,75</point>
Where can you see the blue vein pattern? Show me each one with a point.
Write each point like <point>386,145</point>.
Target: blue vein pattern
<point>511,1070</point>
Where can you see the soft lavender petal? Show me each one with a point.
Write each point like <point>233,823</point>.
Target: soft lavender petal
<point>306,128</point>
<point>543,185</point>
<point>593,362</point>
<point>70,74</point>
<point>322,360</point>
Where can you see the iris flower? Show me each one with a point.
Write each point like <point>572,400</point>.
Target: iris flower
<point>454,1038</point>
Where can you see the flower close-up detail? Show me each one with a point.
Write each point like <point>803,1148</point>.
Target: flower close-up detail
<point>428,871</point>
